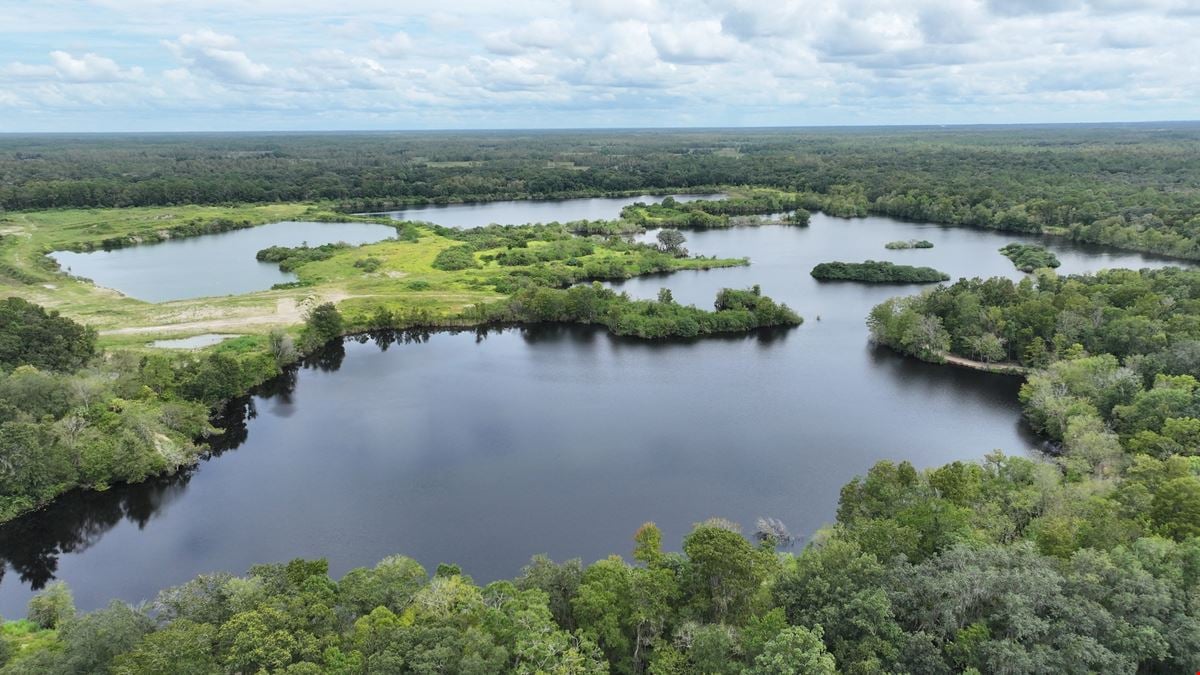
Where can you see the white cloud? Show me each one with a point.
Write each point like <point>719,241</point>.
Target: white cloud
<point>216,54</point>
<point>87,68</point>
<point>545,62</point>
<point>395,46</point>
<point>693,42</point>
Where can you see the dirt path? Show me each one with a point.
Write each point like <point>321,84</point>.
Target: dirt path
<point>288,311</point>
<point>1002,367</point>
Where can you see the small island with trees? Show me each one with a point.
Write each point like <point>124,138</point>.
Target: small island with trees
<point>1029,257</point>
<point>878,272</point>
<point>911,243</point>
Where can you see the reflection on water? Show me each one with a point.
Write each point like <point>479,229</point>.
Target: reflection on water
<point>30,546</point>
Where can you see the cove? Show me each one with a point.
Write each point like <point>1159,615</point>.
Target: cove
<point>211,264</point>
<point>484,448</point>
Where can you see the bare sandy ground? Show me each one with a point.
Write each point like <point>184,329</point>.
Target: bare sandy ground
<point>287,311</point>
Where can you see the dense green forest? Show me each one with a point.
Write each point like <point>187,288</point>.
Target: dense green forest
<point>877,272</point>
<point>1116,355</point>
<point>1133,186</point>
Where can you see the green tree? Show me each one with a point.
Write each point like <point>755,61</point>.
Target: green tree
<point>91,641</point>
<point>795,651</point>
<point>724,572</point>
<point>323,323</point>
<point>52,607</point>
<point>671,241</point>
<point>29,335</point>
<point>1176,508</point>
<point>182,648</point>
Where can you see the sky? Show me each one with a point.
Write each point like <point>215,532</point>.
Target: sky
<point>226,65</point>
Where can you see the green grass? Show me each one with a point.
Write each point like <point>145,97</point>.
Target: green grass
<point>405,280</point>
<point>25,637</point>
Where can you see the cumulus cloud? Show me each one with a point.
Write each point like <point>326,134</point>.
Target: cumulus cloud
<point>217,54</point>
<point>86,68</point>
<point>89,68</point>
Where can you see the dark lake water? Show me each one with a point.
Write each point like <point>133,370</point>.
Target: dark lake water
<point>485,449</point>
<point>531,211</point>
<point>211,265</point>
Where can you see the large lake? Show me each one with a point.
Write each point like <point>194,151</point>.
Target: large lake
<point>485,449</point>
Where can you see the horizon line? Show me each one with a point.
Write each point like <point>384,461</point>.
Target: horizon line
<point>449,130</point>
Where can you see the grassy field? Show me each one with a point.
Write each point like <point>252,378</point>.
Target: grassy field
<point>405,280</point>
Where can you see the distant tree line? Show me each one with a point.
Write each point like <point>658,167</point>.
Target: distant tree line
<point>1133,186</point>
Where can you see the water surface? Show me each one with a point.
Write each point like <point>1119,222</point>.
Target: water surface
<point>483,449</point>
<point>479,214</point>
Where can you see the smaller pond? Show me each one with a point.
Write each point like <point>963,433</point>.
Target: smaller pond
<point>209,265</point>
<point>479,214</point>
<point>193,342</point>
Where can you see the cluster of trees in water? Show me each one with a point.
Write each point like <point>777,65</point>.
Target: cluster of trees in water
<point>907,244</point>
<point>1131,186</point>
<point>961,568</point>
<point>877,272</point>
<point>1029,257</point>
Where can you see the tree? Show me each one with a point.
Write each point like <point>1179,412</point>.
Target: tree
<point>392,583</point>
<point>647,547</point>
<point>724,572</point>
<point>182,648</point>
<point>671,241</point>
<point>282,347</point>
<point>29,335</point>
<point>558,581</point>
<point>1176,508</point>
<point>92,641</point>
<point>52,606</point>
<point>795,651</point>
<point>322,324</point>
